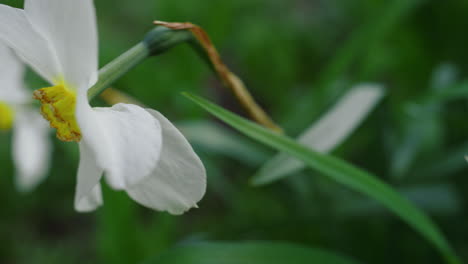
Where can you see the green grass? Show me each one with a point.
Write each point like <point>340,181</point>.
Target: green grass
<point>297,58</point>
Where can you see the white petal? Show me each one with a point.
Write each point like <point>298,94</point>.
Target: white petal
<point>70,27</point>
<point>327,133</point>
<point>92,130</point>
<point>31,149</point>
<point>17,32</point>
<point>127,140</point>
<point>11,77</point>
<point>179,181</point>
<point>334,127</point>
<point>88,191</point>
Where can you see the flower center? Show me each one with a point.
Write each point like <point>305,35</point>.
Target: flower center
<point>7,115</point>
<point>58,107</point>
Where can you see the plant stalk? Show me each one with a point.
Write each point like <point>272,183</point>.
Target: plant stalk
<point>167,36</point>
<point>155,42</point>
<point>202,44</point>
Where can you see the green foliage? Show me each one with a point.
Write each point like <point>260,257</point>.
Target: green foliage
<point>297,58</point>
<point>327,133</point>
<point>247,253</point>
<point>219,140</point>
<point>339,171</point>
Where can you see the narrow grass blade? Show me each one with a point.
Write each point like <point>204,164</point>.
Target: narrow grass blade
<point>327,133</point>
<point>342,172</point>
<point>439,199</point>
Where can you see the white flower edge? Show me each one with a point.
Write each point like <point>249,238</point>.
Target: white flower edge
<point>32,149</point>
<point>31,146</point>
<point>179,181</point>
<point>175,185</point>
<point>329,131</point>
<point>12,89</point>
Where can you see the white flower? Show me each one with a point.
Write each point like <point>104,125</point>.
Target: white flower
<point>137,150</point>
<point>31,144</point>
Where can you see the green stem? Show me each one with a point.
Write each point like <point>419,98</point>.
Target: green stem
<point>162,39</point>
<point>167,36</point>
<point>155,42</point>
<point>118,67</point>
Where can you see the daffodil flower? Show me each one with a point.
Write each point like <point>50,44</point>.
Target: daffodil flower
<point>31,144</point>
<point>137,150</point>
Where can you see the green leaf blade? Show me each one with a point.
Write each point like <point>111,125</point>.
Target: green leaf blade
<point>341,172</point>
<point>331,130</point>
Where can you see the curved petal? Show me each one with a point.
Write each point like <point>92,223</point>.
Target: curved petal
<point>92,130</point>
<point>179,181</point>
<point>18,33</point>
<point>90,202</point>
<point>126,139</point>
<point>88,190</point>
<point>70,27</point>
<point>31,149</point>
<point>11,77</point>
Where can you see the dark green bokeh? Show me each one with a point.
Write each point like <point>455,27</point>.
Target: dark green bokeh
<point>285,51</point>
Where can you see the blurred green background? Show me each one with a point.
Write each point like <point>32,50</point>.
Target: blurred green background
<point>297,57</point>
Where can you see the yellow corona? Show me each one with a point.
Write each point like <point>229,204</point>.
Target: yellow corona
<point>7,116</point>
<point>58,107</point>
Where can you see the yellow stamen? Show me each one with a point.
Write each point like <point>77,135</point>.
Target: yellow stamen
<point>7,116</point>
<point>58,107</point>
